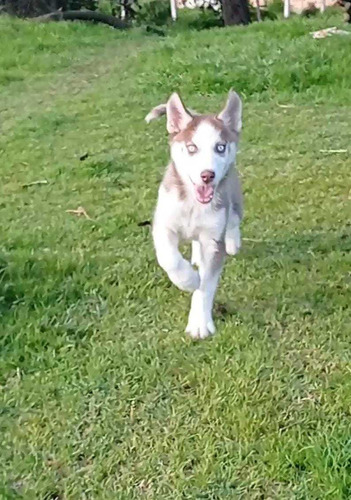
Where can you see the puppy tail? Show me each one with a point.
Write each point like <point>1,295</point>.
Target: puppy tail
<point>156,112</point>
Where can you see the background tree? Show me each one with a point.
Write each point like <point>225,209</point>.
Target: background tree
<point>235,12</point>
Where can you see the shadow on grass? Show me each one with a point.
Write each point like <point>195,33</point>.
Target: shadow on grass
<point>299,245</point>
<point>293,259</point>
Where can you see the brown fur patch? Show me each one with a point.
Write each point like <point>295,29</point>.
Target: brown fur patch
<point>172,180</point>
<point>227,135</point>
<point>186,135</point>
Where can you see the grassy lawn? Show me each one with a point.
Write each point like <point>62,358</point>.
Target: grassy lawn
<point>102,394</point>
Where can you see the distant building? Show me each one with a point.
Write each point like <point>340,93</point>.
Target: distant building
<point>295,5</point>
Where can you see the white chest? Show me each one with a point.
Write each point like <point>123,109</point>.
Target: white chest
<point>190,220</point>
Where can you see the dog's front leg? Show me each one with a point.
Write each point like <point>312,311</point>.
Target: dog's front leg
<point>200,323</point>
<point>232,234</point>
<point>179,270</point>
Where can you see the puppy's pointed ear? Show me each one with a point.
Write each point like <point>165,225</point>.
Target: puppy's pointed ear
<point>232,113</point>
<point>178,117</point>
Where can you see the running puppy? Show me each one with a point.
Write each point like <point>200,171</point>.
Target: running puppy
<point>200,201</point>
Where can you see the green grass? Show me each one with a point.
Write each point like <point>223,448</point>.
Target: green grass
<point>103,395</point>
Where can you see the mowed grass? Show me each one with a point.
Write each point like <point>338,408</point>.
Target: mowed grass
<point>103,395</point>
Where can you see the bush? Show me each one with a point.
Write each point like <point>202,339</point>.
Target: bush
<point>274,10</point>
<point>198,19</point>
<point>81,4</point>
<point>156,12</point>
<point>29,8</point>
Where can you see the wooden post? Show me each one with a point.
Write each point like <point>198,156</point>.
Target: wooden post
<point>323,6</point>
<point>174,10</point>
<point>286,8</point>
<point>258,11</point>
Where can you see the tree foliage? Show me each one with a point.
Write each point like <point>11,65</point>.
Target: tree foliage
<point>30,8</point>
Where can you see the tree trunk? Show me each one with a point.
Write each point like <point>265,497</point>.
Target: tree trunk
<point>82,15</point>
<point>235,12</point>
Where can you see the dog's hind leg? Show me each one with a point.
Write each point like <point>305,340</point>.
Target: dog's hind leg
<point>200,323</point>
<point>232,234</point>
<point>179,270</point>
<point>195,253</point>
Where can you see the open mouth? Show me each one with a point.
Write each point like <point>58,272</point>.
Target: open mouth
<point>204,194</point>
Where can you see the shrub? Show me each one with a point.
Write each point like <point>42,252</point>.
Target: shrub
<point>156,12</point>
<point>29,8</point>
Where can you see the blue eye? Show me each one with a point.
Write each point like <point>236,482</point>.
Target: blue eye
<point>220,148</point>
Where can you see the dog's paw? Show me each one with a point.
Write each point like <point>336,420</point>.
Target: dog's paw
<point>200,323</point>
<point>193,281</point>
<point>186,278</point>
<point>189,282</point>
<point>200,330</point>
<point>233,241</point>
<point>231,247</point>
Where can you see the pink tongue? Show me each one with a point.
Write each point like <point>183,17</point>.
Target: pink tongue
<point>204,194</point>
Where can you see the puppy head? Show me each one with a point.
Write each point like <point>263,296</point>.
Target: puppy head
<point>203,147</point>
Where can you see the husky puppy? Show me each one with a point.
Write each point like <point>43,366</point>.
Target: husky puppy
<point>199,200</point>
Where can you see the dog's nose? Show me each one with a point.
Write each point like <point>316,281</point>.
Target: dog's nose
<point>207,176</point>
